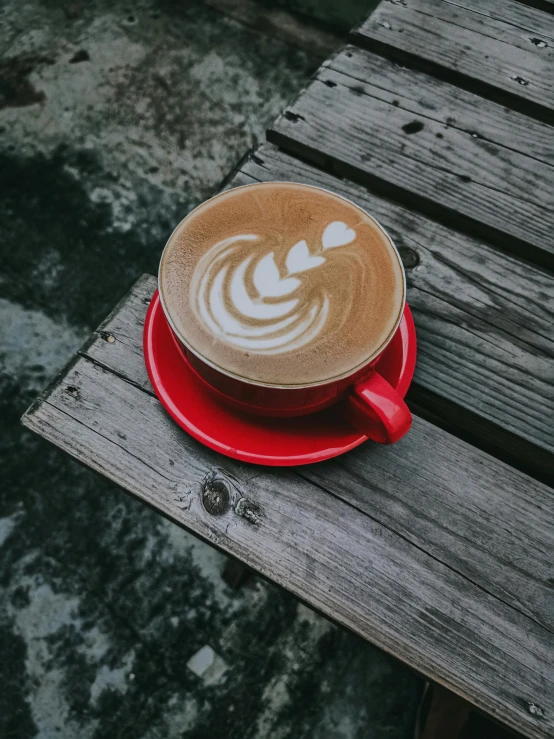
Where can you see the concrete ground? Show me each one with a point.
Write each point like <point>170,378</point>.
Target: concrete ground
<point>115,120</point>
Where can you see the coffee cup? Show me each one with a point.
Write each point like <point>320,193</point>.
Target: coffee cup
<point>282,298</point>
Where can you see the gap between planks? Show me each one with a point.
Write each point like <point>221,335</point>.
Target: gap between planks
<point>462,160</point>
<point>501,50</point>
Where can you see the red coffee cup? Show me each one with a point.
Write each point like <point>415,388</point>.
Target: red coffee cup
<point>366,399</point>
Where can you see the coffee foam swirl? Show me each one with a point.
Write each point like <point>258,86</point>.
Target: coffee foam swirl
<point>250,304</point>
<point>282,284</point>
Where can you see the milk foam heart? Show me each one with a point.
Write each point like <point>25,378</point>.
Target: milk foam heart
<point>299,258</point>
<point>337,234</point>
<point>282,284</point>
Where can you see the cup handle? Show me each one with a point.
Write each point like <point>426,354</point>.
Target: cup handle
<point>377,410</point>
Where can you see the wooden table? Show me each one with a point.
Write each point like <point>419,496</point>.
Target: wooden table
<point>438,119</point>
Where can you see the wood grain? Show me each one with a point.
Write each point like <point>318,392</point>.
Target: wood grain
<point>431,549</point>
<point>455,156</point>
<point>521,576</point>
<point>117,342</point>
<point>501,49</point>
<point>485,322</point>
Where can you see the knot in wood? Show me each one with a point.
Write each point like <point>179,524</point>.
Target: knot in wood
<point>535,710</point>
<point>248,510</point>
<point>216,496</point>
<point>409,257</point>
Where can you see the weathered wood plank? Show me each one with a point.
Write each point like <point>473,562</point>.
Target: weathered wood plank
<point>501,49</point>
<point>441,149</point>
<point>449,106</point>
<point>389,498</point>
<point>485,322</point>
<point>342,559</point>
<point>523,582</point>
<point>117,343</point>
<point>478,346</point>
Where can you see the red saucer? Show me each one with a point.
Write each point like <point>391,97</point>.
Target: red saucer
<point>269,441</point>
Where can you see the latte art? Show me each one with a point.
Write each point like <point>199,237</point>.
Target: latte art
<point>252,305</point>
<point>282,284</point>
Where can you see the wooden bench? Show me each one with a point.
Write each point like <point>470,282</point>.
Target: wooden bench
<point>438,549</point>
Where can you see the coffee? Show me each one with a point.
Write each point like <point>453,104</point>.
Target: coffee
<point>282,284</point>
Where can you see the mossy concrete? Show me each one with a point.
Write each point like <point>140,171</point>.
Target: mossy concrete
<point>115,120</point>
